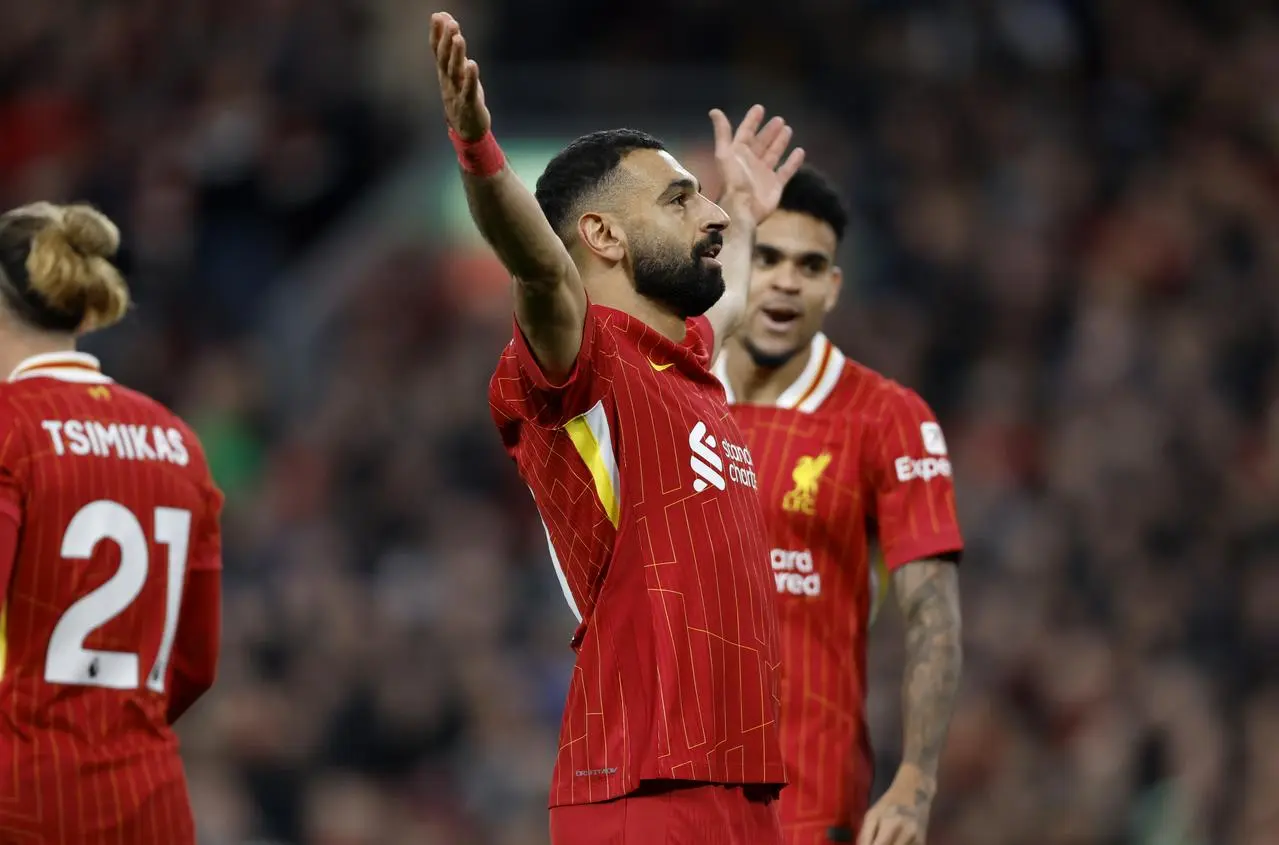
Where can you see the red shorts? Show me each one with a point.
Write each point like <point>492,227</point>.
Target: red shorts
<point>674,813</point>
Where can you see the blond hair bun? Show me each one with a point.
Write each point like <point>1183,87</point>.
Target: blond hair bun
<point>70,269</point>
<point>90,232</point>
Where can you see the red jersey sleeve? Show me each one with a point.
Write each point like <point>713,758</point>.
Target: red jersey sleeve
<point>194,663</point>
<point>10,526</point>
<point>911,478</point>
<point>13,460</point>
<point>208,548</point>
<point>521,389</point>
<point>11,496</point>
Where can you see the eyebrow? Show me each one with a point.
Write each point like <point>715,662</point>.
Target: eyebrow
<point>801,256</point>
<point>677,187</point>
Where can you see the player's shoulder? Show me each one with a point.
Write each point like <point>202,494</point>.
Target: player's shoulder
<point>9,391</point>
<point>896,412</point>
<point>52,419</point>
<point>598,319</point>
<point>114,402</point>
<point>148,407</point>
<point>165,424</point>
<point>868,392</point>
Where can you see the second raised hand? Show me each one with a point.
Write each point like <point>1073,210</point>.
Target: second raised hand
<point>750,161</point>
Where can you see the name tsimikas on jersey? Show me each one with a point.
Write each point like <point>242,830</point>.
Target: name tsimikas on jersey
<point>710,467</point>
<point>793,572</point>
<point>117,440</point>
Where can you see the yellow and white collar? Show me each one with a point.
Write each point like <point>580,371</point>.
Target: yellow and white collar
<point>813,386</point>
<point>76,367</point>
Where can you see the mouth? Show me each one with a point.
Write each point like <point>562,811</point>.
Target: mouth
<point>710,256</point>
<point>779,317</point>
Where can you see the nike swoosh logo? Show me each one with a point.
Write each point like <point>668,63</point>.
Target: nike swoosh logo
<point>657,368</point>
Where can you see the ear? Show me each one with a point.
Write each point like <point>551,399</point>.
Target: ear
<point>602,235</point>
<point>836,285</point>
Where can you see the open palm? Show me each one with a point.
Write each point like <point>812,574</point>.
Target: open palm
<point>750,161</point>
<point>460,88</point>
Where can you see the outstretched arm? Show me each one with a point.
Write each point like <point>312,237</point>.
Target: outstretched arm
<point>751,167</point>
<point>550,301</point>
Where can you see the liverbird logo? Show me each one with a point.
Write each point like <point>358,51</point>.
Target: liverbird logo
<point>807,475</point>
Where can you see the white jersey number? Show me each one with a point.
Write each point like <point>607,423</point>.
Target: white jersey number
<point>68,661</point>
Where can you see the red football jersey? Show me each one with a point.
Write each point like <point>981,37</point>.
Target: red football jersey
<point>648,496</point>
<point>844,456</point>
<point>110,618</point>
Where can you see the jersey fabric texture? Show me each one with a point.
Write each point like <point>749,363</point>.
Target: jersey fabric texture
<point>847,459</point>
<point>647,493</point>
<point>109,625</point>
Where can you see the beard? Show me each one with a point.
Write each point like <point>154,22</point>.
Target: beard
<point>682,283</point>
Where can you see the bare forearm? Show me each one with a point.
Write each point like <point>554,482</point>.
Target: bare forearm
<point>509,218</point>
<point>928,592</point>
<point>736,257</point>
<point>550,301</point>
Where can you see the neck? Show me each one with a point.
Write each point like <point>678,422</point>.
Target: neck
<point>19,344</point>
<point>755,385</point>
<point>614,290</point>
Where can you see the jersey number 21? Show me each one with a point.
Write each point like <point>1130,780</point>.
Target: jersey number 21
<point>68,661</point>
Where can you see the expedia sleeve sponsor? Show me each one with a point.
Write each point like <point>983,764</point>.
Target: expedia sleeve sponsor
<point>925,469</point>
<point>936,465</point>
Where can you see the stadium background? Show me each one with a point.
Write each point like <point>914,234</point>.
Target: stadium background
<point>1066,237</point>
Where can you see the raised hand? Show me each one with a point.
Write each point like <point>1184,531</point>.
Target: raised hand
<point>460,87</point>
<point>750,161</point>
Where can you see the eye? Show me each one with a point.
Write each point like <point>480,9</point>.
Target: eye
<point>766,258</point>
<point>814,266</point>
<point>681,200</point>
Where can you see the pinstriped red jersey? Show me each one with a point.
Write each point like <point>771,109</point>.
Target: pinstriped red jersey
<point>647,493</point>
<point>844,457</point>
<point>116,511</point>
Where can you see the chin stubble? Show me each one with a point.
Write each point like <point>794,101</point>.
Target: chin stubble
<point>768,360</point>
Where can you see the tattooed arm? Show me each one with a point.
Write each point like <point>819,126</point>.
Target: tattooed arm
<point>928,594</point>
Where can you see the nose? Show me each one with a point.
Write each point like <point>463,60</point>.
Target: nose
<point>784,278</point>
<point>717,220</point>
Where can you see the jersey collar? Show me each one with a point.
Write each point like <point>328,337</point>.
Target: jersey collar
<point>65,366</point>
<point>813,386</point>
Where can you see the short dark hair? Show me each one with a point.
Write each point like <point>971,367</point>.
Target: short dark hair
<point>582,167</point>
<point>813,193</point>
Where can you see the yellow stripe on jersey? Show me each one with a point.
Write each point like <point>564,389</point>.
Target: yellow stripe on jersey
<point>594,442</point>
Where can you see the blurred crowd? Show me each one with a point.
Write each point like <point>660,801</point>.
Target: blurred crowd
<point>1066,238</point>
